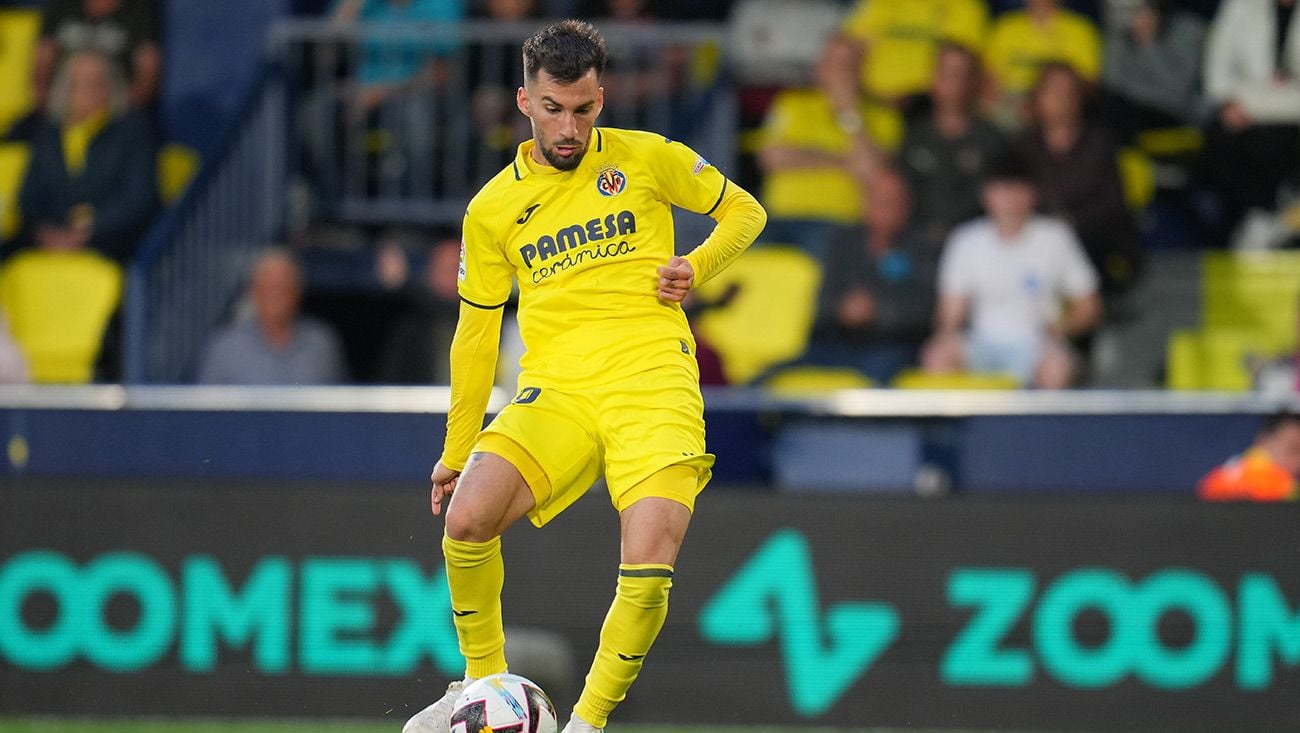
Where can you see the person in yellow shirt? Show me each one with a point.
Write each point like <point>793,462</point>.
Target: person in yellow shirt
<point>815,159</point>
<point>898,39</point>
<point>582,221</point>
<point>1021,42</point>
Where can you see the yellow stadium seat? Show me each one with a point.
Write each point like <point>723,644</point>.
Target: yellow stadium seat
<point>58,304</point>
<point>1215,358</point>
<point>917,379</point>
<point>177,165</point>
<point>19,30</point>
<point>13,167</point>
<point>811,379</point>
<point>1138,177</point>
<point>769,319</point>
<point>1257,292</point>
<point>1168,142</point>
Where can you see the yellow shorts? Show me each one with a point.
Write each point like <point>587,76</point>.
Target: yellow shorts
<point>562,441</point>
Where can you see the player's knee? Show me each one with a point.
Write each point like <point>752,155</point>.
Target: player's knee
<point>469,521</point>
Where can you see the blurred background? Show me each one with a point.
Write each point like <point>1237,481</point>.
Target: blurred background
<point>1002,397</point>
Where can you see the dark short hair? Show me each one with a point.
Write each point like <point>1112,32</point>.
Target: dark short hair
<point>1009,167</point>
<point>1274,422</point>
<point>565,50</point>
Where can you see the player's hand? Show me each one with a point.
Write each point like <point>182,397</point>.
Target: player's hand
<point>444,485</point>
<point>675,279</point>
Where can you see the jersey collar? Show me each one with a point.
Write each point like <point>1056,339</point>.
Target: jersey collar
<point>523,165</point>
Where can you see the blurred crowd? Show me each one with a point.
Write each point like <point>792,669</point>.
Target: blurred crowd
<point>977,183</point>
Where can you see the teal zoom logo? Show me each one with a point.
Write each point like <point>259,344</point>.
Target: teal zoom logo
<point>774,595</point>
<point>1264,627</point>
<point>317,617</point>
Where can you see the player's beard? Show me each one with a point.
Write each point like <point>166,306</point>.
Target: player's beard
<point>559,161</point>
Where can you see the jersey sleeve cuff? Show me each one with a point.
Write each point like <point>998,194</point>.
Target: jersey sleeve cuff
<point>455,465</point>
<point>483,306</point>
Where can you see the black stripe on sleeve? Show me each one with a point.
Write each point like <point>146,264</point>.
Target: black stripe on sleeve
<point>719,201</point>
<point>480,306</point>
<point>645,573</point>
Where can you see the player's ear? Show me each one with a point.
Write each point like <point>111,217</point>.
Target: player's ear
<point>521,101</point>
<point>600,100</point>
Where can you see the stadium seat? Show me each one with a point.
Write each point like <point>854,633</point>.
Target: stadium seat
<point>19,29</point>
<point>811,379</point>
<point>917,379</point>
<point>1215,358</point>
<point>769,318</point>
<point>177,165</point>
<point>1256,292</point>
<point>13,167</point>
<point>58,304</point>
<point>1171,142</point>
<point>1138,176</point>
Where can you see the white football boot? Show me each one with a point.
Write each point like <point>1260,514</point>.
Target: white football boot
<point>437,717</point>
<point>578,725</point>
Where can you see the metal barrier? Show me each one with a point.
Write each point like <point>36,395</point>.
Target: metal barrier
<point>327,124</point>
<point>403,123</point>
<point>194,261</point>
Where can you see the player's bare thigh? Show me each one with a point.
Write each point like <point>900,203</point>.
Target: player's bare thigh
<point>490,496</point>
<point>652,531</point>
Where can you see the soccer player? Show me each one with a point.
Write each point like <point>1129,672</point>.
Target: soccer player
<point>582,219</point>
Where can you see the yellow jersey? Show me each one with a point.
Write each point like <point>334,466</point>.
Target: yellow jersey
<point>805,119</point>
<point>1018,48</point>
<point>902,36</point>
<point>584,246</point>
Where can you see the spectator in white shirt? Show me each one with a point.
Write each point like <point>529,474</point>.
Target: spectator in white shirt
<point>1252,77</point>
<point>1014,288</point>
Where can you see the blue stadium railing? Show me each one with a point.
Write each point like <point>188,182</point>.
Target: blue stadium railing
<point>191,263</point>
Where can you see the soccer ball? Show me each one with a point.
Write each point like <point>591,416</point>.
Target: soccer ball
<point>503,703</point>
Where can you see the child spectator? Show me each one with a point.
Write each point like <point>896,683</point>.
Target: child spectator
<point>1002,281</point>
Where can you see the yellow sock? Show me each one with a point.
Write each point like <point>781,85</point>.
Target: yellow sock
<point>475,574</point>
<point>638,612</point>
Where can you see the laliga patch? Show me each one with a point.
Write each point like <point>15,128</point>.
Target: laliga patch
<point>611,182</point>
<point>700,164</point>
<point>461,272</point>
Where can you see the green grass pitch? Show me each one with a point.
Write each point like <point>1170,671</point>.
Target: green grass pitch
<point>116,725</point>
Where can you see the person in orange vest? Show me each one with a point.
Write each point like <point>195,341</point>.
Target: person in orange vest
<point>1267,471</point>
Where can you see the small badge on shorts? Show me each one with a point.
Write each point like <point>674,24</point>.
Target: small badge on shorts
<point>527,395</point>
<point>611,182</point>
<point>686,349</point>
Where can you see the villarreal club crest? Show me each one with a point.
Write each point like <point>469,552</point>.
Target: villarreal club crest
<point>611,182</point>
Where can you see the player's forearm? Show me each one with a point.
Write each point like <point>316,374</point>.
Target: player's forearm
<point>473,367</point>
<point>740,220</point>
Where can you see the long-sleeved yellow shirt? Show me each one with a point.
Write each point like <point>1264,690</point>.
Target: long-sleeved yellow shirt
<point>583,246</point>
